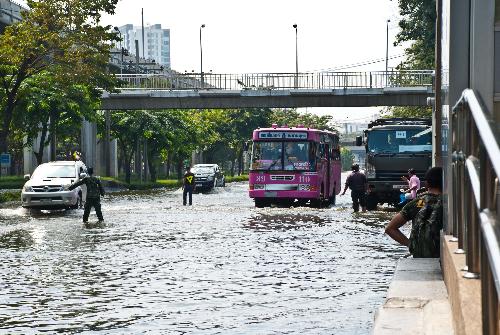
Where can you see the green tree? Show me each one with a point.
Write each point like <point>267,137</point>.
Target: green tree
<point>346,158</point>
<point>292,118</point>
<point>234,128</point>
<point>63,37</point>
<point>418,26</point>
<point>48,107</point>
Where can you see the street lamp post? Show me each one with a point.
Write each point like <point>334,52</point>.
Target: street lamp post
<point>387,46</point>
<point>201,56</point>
<point>121,50</point>
<point>296,58</point>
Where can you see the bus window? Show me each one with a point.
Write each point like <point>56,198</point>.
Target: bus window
<point>296,156</point>
<point>266,156</point>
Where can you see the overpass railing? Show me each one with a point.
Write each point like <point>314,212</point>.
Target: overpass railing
<point>277,81</point>
<point>476,194</point>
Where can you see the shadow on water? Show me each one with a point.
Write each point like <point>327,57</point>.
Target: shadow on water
<point>284,221</point>
<point>16,239</point>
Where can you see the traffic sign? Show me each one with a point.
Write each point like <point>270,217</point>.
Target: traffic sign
<point>5,160</point>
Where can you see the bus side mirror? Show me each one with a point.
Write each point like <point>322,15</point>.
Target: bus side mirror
<point>359,141</point>
<point>245,146</point>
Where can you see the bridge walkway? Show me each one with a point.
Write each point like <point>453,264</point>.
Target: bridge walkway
<point>261,90</point>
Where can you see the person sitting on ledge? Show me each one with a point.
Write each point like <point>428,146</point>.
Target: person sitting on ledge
<point>426,211</point>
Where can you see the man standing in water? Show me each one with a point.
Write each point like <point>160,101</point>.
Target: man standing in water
<point>357,182</point>
<point>94,193</point>
<point>188,186</point>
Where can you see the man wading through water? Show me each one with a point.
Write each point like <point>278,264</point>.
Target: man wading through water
<point>94,193</point>
<point>188,186</point>
<point>358,183</point>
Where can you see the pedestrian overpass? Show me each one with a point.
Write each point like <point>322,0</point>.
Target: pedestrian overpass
<point>171,90</point>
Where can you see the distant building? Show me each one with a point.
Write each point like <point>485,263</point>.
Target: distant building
<point>353,128</point>
<point>156,42</point>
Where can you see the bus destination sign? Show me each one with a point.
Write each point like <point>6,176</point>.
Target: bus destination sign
<point>289,135</point>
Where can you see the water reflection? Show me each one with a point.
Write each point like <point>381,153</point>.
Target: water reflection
<point>283,221</point>
<point>16,239</point>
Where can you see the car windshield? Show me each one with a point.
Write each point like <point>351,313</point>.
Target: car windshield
<point>54,171</point>
<point>276,155</point>
<point>399,141</point>
<point>202,169</point>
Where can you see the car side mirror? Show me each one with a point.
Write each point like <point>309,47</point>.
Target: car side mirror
<point>27,177</point>
<point>359,141</point>
<point>83,175</point>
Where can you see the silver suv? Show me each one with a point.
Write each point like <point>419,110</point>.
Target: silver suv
<point>47,188</point>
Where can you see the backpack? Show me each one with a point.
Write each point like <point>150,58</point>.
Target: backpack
<point>426,227</point>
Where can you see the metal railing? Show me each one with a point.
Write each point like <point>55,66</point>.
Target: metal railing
<point>476,200</point>
<point>277,81</point>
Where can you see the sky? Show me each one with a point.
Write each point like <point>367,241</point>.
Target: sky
<point>258,36</point>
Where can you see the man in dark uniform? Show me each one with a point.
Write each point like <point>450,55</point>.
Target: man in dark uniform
<point>426,211</point>
<point>188,186</point>
<point>94,193</point>
<point>357,182</point>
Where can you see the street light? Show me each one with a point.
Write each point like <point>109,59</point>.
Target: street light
<point>121,50</point>
<point>387,47</point>
<point>201,56</point>
<point>296,58</point>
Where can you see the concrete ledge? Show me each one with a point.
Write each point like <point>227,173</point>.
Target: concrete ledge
<point>464,294</point>
<point>417,301</point>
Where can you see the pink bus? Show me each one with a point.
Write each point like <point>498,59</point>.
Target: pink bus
<point>294,164</point>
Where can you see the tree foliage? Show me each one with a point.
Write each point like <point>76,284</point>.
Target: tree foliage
<point>418,26</point>
<point>346,158</point>
<point>60,37</point>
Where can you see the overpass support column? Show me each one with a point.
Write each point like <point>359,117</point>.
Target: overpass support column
<point>89,143</point>
<point>107,158</point>
<point>29,158</point>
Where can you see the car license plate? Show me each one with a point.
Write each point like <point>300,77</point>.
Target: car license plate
<point>270,194</point>
<point>399,186</point>
<point>199,185</point>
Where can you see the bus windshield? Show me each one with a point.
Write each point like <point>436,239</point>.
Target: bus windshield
<point>400,141</point>
<point>277,155</point>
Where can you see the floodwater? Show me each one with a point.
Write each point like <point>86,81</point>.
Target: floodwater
<point>218,267</point>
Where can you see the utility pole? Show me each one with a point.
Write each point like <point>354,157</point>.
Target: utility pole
<point>201,57</point>
<point>387,47</point>
<point>137,56</point>
<point>142,15</point>
<point>296,57</point>
<point>437,119</point>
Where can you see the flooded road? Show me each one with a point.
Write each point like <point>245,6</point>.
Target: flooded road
<point>219,267</point>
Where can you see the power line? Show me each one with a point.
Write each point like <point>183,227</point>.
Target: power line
<point>368,62</point>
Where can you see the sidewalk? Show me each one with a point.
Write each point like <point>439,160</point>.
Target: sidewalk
<point>417,301</point>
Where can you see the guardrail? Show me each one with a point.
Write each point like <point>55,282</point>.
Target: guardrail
<point>277,81</point>
<point>476,201</point>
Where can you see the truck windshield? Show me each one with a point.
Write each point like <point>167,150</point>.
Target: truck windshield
<point>277,155</point>
<point>399,141</point>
